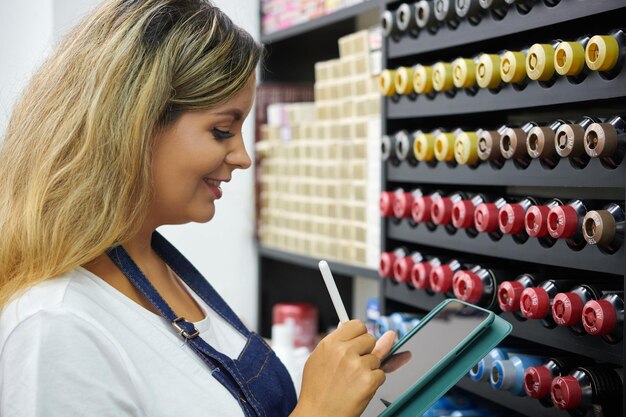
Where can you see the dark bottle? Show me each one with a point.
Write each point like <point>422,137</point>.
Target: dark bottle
<point>510,293</point>
<point>536,302</point>
<point>605,228</point>
<point>470,10</point>
<point>478,286</point>
<point>446,13</point>
<point>565,222</point>
<point>420,273</point>
<point>402,267</point>
<point>513,69</point>
<point>463,214</point>
<point>489,146</point>
<point>486,218</point>
<point>441,210</point>
<point>587,388</point>
<point>441,277</point>
<point>511,218</point>
<point>523,6</point>
<point>498,8</point>
<point>424,147</point>
<point>389,24</point>
<point>536,222</point>
<point>567,307</point>
<point>569,59</point>
<point>513,144</point>
<point>570,141</point>
<point>405,16</point>
<point>607,141</point>
<point>425,16</point>
<point>540,63</point>
<point>388,149</point>
<point>538,379</point>
<point>421,209</point>
<point>605,317</point>
<point>606,53</point>
<point>540,143</point>
<point>404,146</point>
<point>387,261</point>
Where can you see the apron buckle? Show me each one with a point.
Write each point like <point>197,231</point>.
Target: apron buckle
<point>184,333</point>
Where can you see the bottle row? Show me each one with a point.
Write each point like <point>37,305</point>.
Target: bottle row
<point>555,300</point>
<point>567,383</point>
<point>431,15</point>
<point>578,222</point>
<point>542,62</point>
<point>589,137</point>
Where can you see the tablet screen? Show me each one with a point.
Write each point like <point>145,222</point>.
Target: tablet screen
<point>426,348</point>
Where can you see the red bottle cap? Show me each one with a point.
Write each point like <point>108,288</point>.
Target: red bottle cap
<point>420,275</point>
<point>386,203</point>
<point>509,295</point>
<point>567,308</point>
<point>486,217</point>
<point>463,214</point>
<point>402,269</point>
<point>468,286</point>
<point>599,317</point>
<point>536,221</point>
<point>566,392</point>
<point>537,381</point>
<point>441,211</point>
<point>385,266</point>
<point>562,222</point>
<point>511,219</point>
<point>534,303</point>
<point>402,205</point>
<point>420,209</point>
<point>441,278</point>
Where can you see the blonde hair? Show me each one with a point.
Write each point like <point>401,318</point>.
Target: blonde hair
<point>75,165</point>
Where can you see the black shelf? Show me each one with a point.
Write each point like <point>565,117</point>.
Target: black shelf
<point>589,258</point>
<point>339,268</point>
<point>531,330</point>
<point>594,175</point>
<point>563,91</point>
<point>524,405</point>
<point>321,22</point>
<point>489,28</point>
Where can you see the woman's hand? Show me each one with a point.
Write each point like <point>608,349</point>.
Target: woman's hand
<point>343,372</point>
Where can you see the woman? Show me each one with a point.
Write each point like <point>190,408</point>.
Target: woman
<point>132,124</point>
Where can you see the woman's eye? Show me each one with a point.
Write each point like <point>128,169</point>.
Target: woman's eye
<point>222,134</point>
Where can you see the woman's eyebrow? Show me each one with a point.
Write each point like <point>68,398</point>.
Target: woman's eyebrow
<point>234,112</point>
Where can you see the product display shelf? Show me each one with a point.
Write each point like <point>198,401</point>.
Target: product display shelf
<point>339,268</point>
<point>534,95</point>
<point>594,175</point>
<point>529,330</point>
<point>320,23</point>
<point>513,22</point>
<point>590,258</point>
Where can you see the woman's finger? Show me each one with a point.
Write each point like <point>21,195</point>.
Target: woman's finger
<point>384,344</point>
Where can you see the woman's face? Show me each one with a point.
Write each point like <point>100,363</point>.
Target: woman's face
<point>194,155</point>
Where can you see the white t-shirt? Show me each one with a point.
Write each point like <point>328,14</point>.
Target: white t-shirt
<point>75,346</point>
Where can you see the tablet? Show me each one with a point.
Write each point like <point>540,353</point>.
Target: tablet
<point>440,337</point>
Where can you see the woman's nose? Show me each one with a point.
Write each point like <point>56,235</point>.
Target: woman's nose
<point>239,156</point>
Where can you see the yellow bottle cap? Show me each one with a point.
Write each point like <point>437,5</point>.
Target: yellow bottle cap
<point>444,147</point>
<point>386,82</point>
<point>569,58</point>
<point>442,76</point>
<point>602,53</point>
<point>403,81</point>
<point>488,71</point>
<point>424,146</point>
<point>464,72</point>
<point>466,148</point>
<point>513,67</point>
<point>540,62</point>
<point>423,79</point>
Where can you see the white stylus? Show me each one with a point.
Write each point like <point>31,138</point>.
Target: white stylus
<point>334,292</point>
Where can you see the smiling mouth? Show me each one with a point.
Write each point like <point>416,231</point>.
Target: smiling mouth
<point>215,186</point>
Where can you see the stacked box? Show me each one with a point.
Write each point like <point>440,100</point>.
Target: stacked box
<point>281,14</point>
<point>320,166</point>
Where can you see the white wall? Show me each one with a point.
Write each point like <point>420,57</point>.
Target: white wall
<point>223,250</point>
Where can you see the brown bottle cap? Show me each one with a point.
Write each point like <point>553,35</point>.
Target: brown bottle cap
<point>599,227</point>
<point>600,140</point>
<point>489,145</point>
<point>540,142</point>
<point>570,141</point>
<point>513,143</point>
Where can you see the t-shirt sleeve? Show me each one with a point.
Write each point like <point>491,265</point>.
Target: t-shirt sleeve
<point>57,364</point>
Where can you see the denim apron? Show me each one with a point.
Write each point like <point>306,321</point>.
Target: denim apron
<point>257,378</point>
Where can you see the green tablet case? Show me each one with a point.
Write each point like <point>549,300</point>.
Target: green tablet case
<point>417,399</point>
